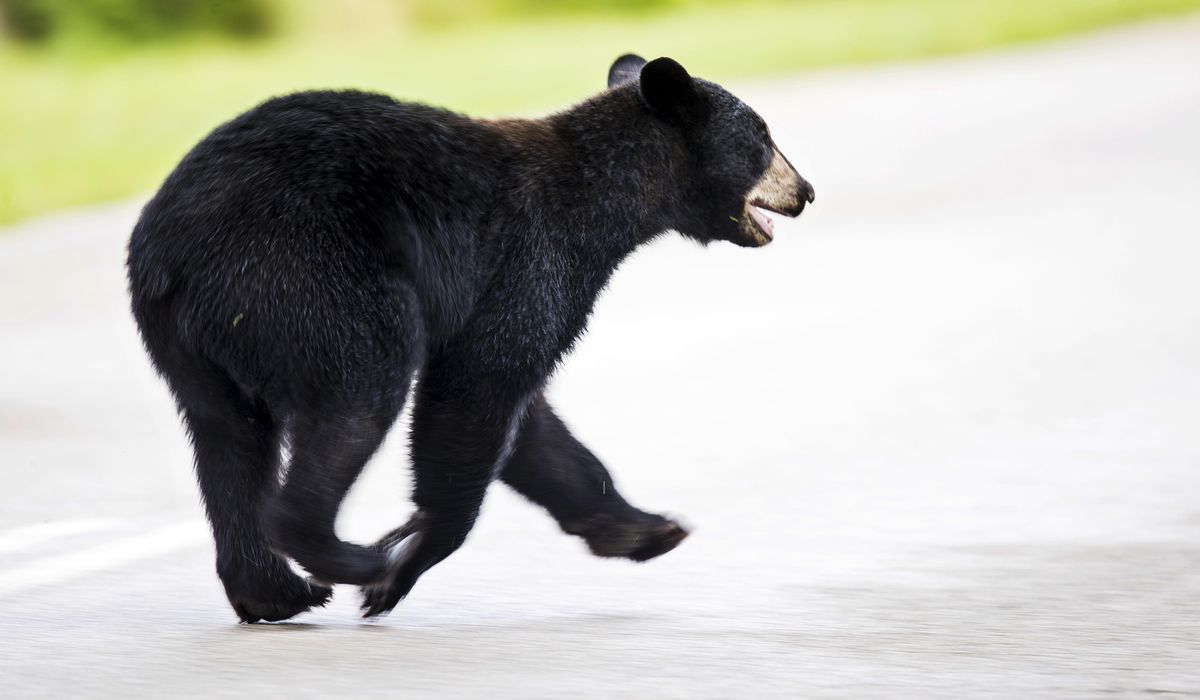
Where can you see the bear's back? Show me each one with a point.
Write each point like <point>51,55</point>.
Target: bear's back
<point>347,149</point>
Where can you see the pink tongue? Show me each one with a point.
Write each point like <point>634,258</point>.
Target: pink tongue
<point>761,219</point>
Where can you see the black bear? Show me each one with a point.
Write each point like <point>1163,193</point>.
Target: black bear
<point>310,257</point>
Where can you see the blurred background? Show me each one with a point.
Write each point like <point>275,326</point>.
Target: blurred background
<point>93,109</point>
<point>938,440</point>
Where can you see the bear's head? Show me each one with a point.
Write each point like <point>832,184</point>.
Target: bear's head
<point>735,172</point>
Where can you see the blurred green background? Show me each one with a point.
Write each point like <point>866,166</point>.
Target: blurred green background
<point>101,97</point>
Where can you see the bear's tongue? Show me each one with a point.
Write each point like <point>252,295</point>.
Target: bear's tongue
<point>764,222</point>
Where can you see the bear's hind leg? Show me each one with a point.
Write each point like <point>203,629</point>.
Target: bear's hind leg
<point>330,447</point>
<point>236,445</point>
<point>554,470</point>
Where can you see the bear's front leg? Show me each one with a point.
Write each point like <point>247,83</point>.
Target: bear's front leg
<point>463,431</point>
<point>550,467</point>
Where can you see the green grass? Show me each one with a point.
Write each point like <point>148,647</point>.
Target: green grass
<point>81,125</point>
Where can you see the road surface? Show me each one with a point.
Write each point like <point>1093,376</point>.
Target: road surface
<point>940,440</point>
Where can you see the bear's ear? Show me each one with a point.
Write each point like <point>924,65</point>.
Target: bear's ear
<point>625,69</point>
<point>668,88</point>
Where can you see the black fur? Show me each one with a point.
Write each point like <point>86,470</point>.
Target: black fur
<point>308,258</point>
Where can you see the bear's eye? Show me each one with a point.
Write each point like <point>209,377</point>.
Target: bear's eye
<point>765,155</point>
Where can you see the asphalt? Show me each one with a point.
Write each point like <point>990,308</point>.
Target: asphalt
<point>940,440</point>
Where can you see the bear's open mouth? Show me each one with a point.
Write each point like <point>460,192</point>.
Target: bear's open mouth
<point>780,190</point>
<point>756,211</point>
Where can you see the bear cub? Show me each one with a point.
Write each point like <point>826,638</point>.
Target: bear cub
<point>306,260</point>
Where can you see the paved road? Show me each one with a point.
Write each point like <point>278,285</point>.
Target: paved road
<point>942,439</point>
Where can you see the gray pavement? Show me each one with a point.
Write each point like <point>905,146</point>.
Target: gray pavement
<point>940,440</point>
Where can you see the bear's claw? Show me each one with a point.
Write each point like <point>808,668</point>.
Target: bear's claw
<point>658,541</point>
<point>640,538</point>
<point>296,596</point>
<point>400,546</point>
